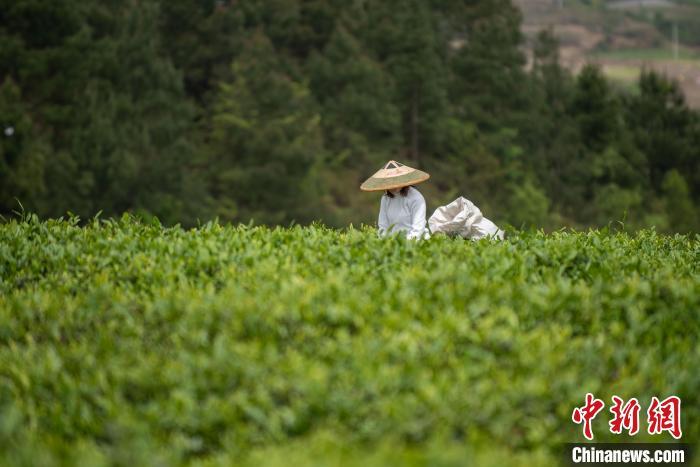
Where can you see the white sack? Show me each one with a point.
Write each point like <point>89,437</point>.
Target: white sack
<point>462,217</point>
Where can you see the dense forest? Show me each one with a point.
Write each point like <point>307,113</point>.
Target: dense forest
<point>275,111</point>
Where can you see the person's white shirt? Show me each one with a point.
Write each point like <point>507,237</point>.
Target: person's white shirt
<point>403,214</point>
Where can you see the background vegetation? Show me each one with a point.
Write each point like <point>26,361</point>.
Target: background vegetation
<point>277,110</point>
<point>623,37</point>
<point>130,344</point>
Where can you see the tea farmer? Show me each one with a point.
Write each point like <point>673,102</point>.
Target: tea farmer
<point>402,207</point>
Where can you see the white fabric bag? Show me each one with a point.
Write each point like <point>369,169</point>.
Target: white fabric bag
<point>462,217</point>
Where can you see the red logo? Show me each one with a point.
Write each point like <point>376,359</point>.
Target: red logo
<point>626,416</point>
<point>587,413</point>
<point>661,416</point>
<point>665,416</point>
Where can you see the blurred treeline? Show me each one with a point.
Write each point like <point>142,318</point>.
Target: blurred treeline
<point>276,110</point>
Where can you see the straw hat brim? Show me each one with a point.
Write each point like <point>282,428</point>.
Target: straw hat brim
<point>375,183</point>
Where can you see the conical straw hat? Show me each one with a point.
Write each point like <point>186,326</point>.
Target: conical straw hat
<point>394,175</point>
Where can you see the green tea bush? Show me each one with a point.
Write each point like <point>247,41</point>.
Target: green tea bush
<point>124,343</point>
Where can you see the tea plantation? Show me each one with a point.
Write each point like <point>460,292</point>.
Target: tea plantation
<point>124,343</point>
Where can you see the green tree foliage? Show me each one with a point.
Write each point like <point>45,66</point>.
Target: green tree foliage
<point>595,108</point>
<point>190,109</point>
<point>116,117</point>
<point>665,129</point>
<point>403,34</point>
<point>467,165</point>
<point>361,121</point>
<point>43,50</point>
<point>606,173</point>
<point>553,138</point>
<point>266,140</point>
<point>23,152</point>
<point>201,38</point>
<point>679,206</point>
<point>296,28</point>
<point>488,82</point>
<point>132,133</point>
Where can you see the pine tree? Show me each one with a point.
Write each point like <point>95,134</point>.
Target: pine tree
<point>610,171</point>
<point>202,38</point>
<point>23,154</point>
<point>665,129</point>
<point>361,122</point>
<point>683,216</point>
<point>488,83</point>
<point>404,36</point>
<point>552,138</point>
<point>114,118</point>
<point>266,141</point>
<point>595,108</point>
<point>129,144</point>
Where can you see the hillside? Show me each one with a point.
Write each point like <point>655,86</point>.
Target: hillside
<point>276,112</point>
<point>124,343</point>
<point>624,36</point>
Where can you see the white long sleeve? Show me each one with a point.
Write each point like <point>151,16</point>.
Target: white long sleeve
<point>418,224</point>
<point>383,221</point>
<point>403,214</point>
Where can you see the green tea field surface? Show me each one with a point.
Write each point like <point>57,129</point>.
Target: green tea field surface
<point>124,343</point>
